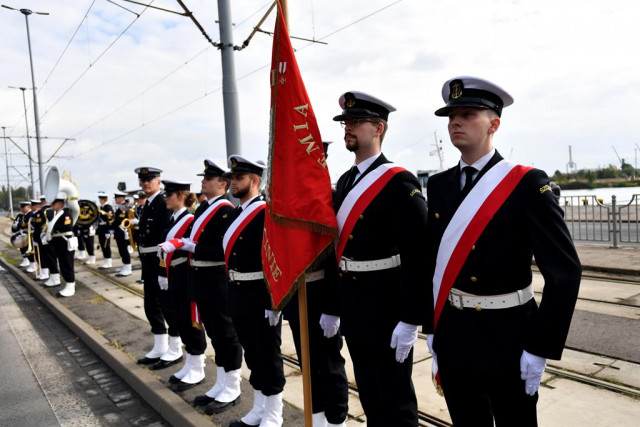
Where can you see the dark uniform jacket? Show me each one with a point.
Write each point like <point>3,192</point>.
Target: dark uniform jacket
<point>64,223</point>
<point>209,247</point>
<point>21,222</point>
<point>372,303</point>
<point>40,221</point>
<point>119,215</point>
<point>529,223</point>
<point>176,254</point>
<point>153,221</point>
<point>246,253</point>
<point>105,220</point>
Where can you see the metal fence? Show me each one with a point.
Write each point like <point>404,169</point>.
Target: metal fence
<point>589,219</point>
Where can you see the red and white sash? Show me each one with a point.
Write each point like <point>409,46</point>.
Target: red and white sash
<point>466,226</point>
<point>203,220</point>
<point>238,225</point>
<point>359,198</point>
<point>176,232</point>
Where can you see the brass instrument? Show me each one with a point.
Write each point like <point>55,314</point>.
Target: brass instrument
<point>128,224</point>
<point>54,184</point>
<point>88,213</point>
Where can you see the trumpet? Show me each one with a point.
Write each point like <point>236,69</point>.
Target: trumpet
<point>126,223</point>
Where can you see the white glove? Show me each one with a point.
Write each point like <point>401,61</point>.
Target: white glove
<point>107,236</point>
<point>111,232</point>
<point>188,245</point>
<point>135,221</point>
<point>273,316</point>
<point>45,238</point>
<point>531,369</point>
<point>92,231</point>
<point>329,324</point>
<point>163,282</point>
<point>403,338</point>
<point>430,344</point>
<point>167,247</point>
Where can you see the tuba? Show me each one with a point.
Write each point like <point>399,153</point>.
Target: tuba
<point>54,185</point>
<point>88,213</point>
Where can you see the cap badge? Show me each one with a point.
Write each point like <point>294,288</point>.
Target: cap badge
<point>144,171</point>
<point>234,163</point>
<point>349,100</point>
<point>456,89</point>
<point>206,165</point>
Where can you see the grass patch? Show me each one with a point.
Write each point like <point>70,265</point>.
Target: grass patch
<point>98,299</point>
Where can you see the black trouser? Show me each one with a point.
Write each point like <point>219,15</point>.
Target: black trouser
<point>105,242</point>
<point>152,307</point>
<point>329,386</point>
<point>88,242</point>
<point>192,337</point>
<point>23,251</point>
<point>211,294</point>
<point>81,243</point>
<point>261,342</point>
<point>64,257</point>
<point>48,259</point>
<point>478,397</point>
<point>385,386</point>
<point>122,243</point>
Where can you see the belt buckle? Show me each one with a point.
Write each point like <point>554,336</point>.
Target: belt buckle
<point>232,275</point>
<point>344,264</point>
<point>455,299</point>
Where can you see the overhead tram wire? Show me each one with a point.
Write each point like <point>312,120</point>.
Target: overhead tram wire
<point>94,62</point>
<point>220,88</point>
<point>175,70</point>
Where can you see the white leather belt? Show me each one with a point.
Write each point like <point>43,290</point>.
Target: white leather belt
<point>178,261</point>
<point>372,265</point>
<point>148,249</point>
<point>197,263</point>
<point>236,276</point>
<point>65,234</point>
<point>314,276</point>
<point>462,300</point>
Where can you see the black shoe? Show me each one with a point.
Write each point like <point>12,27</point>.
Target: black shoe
<point>174,380</point>
<point>140,281</point>
<point>162,364</point>
<point>148,360</point>
<point>216,407</point>
<point>202,400</point>
<point>182,386</point>
<point>239,423</point>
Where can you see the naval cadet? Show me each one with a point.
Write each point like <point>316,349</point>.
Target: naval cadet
<point>42,220</point>
<point>152,223</point>
<point>37,223</point>
<point>105,220</point>
<point>487,218</point>
<point>381,247</point>
<point>209,282</point>
<point>121,234</point>
<point>63,242</point>
<point>257,326</point>
<point>21,225</point>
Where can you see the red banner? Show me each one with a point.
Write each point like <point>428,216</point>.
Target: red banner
<point>300,223</point>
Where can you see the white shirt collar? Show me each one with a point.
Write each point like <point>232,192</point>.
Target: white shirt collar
<point>177,214</point>
<point>481,162</point>
<point>364,165</point>
<point>245,204</point>
<point>213,199</point>
<point>150,199</point>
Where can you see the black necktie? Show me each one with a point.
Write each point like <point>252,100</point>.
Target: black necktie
<point>351,178</point>
<point>171,221</point>
<point>468,183</point>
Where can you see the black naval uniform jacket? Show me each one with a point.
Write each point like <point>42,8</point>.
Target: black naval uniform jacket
<point>529,223</point>
<point>209,247</point>
<point>153,221</point>
<point>178,273</point>
<point>372,303</point>
<point>64,224</point>
<point>105,221</point>
<point>39,220</point>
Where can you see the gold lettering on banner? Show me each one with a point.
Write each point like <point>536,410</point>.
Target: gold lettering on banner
<point>302,109</point>
<point>275,271</point>
<point>298,127</point>
<point>308,140</point>
<point>310,143</point>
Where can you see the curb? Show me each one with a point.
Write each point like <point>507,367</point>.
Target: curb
<point>170,406</point>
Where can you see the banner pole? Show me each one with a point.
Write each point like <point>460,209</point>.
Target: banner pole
<point>304,347</point>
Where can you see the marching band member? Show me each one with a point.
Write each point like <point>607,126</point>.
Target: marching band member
<point>177,295</point>
<point>121,234</point>
<point>81,253</point>
<point>152,223</point>
<point>209,281</point>
<point>382,217</point>
<point>21,225</point>
<point>43,219</point>
<point>257,326</point>
<point>490,339</point>
<point>105,219</point>
<point>36,230</point>
<point>62,241</point>
<point>86,235</point>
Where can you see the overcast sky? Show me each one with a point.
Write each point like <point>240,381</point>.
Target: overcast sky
<point>154,97</point>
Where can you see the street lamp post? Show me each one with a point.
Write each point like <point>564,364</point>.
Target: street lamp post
<point>26,13</point>
<point>6,162</point>
<point>26,123</point>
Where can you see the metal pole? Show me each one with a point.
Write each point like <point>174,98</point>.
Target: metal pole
<point>26,123</point>
<point>614,219</point>
<point>26,13</point>
<point>229,88</point>
<point>6,162</point>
